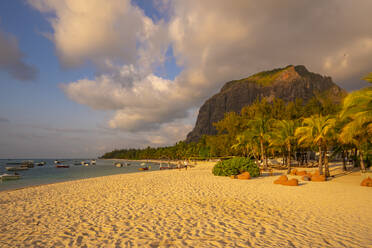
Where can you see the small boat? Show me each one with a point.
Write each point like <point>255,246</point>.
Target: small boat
<point>9,177</point>
<point>161,167</point>
<point>93,161</point>
<point>16,168</point>
<point>84,163</point>
<point>58,161</point>
<point>143,168</point>
<point>62,166</point>
<point>118,165</point>
<point>28,164</point>
<point>40,164</point>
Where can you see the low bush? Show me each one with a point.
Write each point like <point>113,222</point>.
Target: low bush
<point>236,166</point>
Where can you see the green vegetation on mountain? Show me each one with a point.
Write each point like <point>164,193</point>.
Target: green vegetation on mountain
<point>288,84</point>
<point>265,78</point>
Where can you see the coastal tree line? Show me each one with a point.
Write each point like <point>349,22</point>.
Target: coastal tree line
<point>271,129</point>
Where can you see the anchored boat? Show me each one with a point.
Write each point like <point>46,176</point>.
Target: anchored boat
<point>119,165</point>
<point>9,177</point>
<point>16,168</point>
<point>28,164</point>
<point>62,166</point>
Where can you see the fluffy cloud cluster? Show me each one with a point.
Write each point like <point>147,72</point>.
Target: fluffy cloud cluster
<point>11,59</point>
<point>212,41</point>
<point>139,105</point>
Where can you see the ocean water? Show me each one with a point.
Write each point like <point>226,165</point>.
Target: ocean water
<point>50,174</point>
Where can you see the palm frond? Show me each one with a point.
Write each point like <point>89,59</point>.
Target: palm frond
<point>368,78</point>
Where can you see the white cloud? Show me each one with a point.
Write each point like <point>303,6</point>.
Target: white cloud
<point>12,59</point>
<point>140,103</point>
<point>97,30</point>
<point>169,134</point>
<point>213,41</point>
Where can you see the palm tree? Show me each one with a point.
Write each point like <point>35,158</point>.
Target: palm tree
<point>368,78</point>
<point>247,144</point>
<point>317,131</point>
<point>259,129</point>
<point>357,112</point>
<point>283,135</point>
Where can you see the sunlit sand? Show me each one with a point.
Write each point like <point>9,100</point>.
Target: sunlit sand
<point>188,208</point>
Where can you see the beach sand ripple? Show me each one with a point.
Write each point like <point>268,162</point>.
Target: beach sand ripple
<point>189,208</point>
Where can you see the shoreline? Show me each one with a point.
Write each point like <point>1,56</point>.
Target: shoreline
<point>151,160</point>
<point>72,180</point>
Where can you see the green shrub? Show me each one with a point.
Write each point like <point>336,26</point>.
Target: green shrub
<point>236,166</point>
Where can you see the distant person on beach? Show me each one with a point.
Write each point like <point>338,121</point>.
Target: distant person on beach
<point>186,164</point>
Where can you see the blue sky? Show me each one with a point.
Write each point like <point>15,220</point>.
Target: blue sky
<point>83,83</point>
<point>38,100</point>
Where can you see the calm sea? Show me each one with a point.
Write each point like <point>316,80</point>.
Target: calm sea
<point>50,174</point>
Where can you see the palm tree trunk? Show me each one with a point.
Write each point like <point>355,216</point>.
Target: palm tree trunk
<point>355,157</point>
<point>326,167</point>
<point>320,165</point>
<point>289,159</point>
<point>362,167</point>
<point>263,154</point>
<point>343,160</point>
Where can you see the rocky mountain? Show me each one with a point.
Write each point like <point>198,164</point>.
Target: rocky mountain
<point>286,83</point>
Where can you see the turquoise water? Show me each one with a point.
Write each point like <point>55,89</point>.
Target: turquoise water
<point>50,174</point>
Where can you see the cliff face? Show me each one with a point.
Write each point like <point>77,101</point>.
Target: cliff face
<point>287,83</point>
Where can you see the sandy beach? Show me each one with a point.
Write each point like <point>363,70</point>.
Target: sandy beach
<point>187,208</point>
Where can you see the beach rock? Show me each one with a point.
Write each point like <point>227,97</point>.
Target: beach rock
<point>301,173</point>
<point>291,182</point>
<point>233,177</point>
<point>320,178</point>
<point>281,179</point>
<point>316,173</point>
<point>244,176</point>
<point>306,178</point>
<point>293,172</point>
<point>366,182</point>
<point>289,83</point>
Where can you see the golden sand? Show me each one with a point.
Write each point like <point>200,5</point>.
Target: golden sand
<point>187,208</point>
